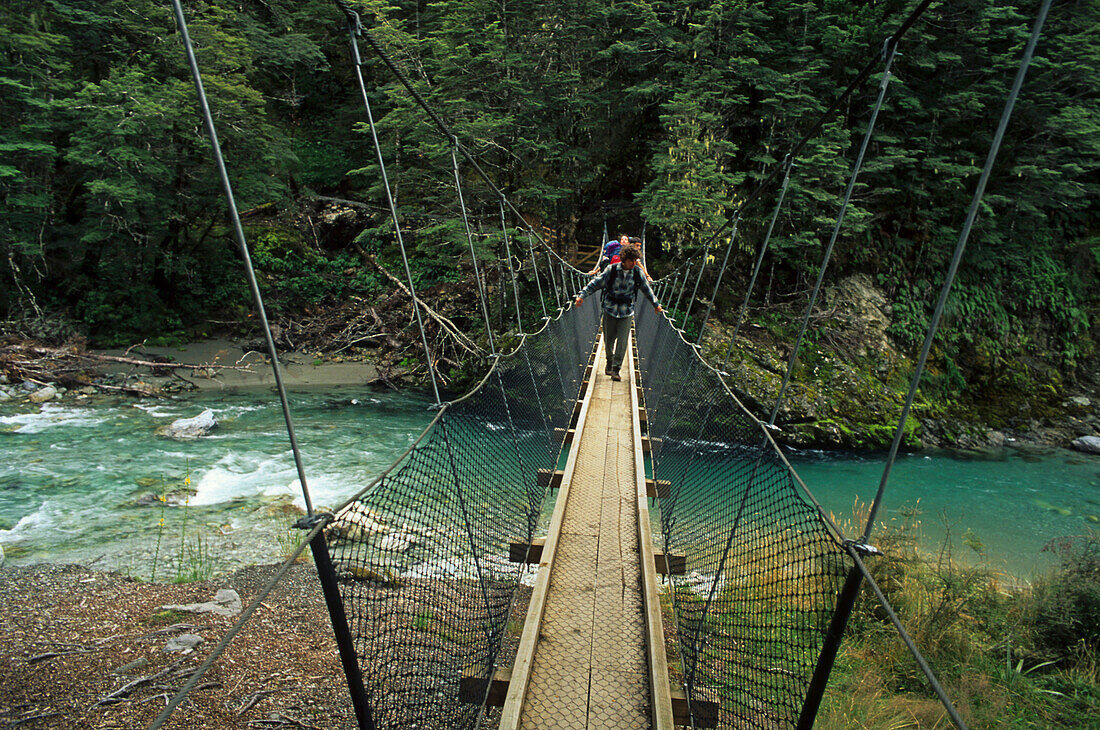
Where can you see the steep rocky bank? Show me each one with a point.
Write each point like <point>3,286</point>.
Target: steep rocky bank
<point>851,380</point>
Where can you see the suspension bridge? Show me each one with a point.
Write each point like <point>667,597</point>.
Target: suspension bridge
<point>562,550</point>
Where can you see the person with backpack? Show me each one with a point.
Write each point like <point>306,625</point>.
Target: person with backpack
<point>611,255</point>
<point>619,283</point>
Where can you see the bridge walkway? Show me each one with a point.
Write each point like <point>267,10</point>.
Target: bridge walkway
<point>589,662</point>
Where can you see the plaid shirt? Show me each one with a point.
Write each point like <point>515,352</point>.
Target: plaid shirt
<point>627,284</point>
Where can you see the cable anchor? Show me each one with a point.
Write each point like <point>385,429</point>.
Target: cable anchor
<point>862,547</point>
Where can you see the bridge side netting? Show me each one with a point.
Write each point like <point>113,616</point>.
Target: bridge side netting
<point>422,558</point>
<point>762,569</point>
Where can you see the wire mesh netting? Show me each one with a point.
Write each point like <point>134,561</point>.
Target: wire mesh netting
<point>422,558</point>
<point>762,569</point>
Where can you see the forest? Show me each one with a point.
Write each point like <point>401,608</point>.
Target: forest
<point>586,114</point>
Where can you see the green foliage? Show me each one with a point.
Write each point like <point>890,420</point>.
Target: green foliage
<point>984,637</point>
<point>1066,611</point>
<point>114,216</point>
<point>296,278</point>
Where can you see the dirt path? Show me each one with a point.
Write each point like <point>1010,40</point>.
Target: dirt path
<point>85,649</point>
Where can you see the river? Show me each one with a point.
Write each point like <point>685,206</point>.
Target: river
<point>80,481</point>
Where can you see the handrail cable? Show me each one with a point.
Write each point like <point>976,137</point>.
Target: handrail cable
<point>357,62</point>
<point>238,232</point>
<point>890,50</point>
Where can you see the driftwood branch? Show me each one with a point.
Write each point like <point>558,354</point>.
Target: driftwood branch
<point>119,695</point>
<point>465,342</point>
<point>57,353</point>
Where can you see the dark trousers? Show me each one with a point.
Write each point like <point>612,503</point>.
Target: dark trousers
<point>616,331</point>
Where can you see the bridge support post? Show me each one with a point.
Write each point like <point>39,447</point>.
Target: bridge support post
<point>335,604</point>
<point>846,601</point>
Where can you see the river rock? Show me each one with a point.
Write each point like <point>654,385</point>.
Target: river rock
<point>1087,444</point>
<point>355,523</point>
<point>190,428</point>
<point>43,394</point>
<point>398,542</point>
<point>4,395</point>
<point>183,642</point>
<point>226,603</point>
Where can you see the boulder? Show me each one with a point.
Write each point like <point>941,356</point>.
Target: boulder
<point>4,395</point>
<point>190,428</point>
<point>863,308</point>
<point>43,394</point>
<point>1087,444</point>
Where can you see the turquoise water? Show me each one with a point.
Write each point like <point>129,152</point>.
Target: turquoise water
<point>1013,503</point>
<point>79,479</point>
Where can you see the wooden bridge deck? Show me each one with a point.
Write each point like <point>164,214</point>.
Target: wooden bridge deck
<point>585,658</point>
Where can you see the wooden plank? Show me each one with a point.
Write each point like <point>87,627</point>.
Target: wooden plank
<point>577,411</point>
<point>704,712</point>
<point>550,477</point>
<point>521,552</point>
<point>471,686</point>
<point>649,443</point>
<point>671,564</point>
<point>661,697</point>
<point>565,434</point>
<point>658,488</point>
<point>525,653</point>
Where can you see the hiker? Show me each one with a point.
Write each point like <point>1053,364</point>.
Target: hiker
<point>611,255</point>
<point>620,284</point>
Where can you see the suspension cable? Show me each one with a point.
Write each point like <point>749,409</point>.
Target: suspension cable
<point>357,62</point>
<point>683,284</point>
<point>473,254</point>
<point>890,51</point>
<point>694,291</point>
<point>238,232</point>
<point>788,163</point>
<point>721,273</point>
<point>535,268</point>
<point>953,268</point>
<point>922,663</point>
<point>553,281</point>
<point>511,268</point>
<point>890,43</point>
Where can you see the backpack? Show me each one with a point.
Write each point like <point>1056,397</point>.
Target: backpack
<point>609,287</point>
<point>611,251</point>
